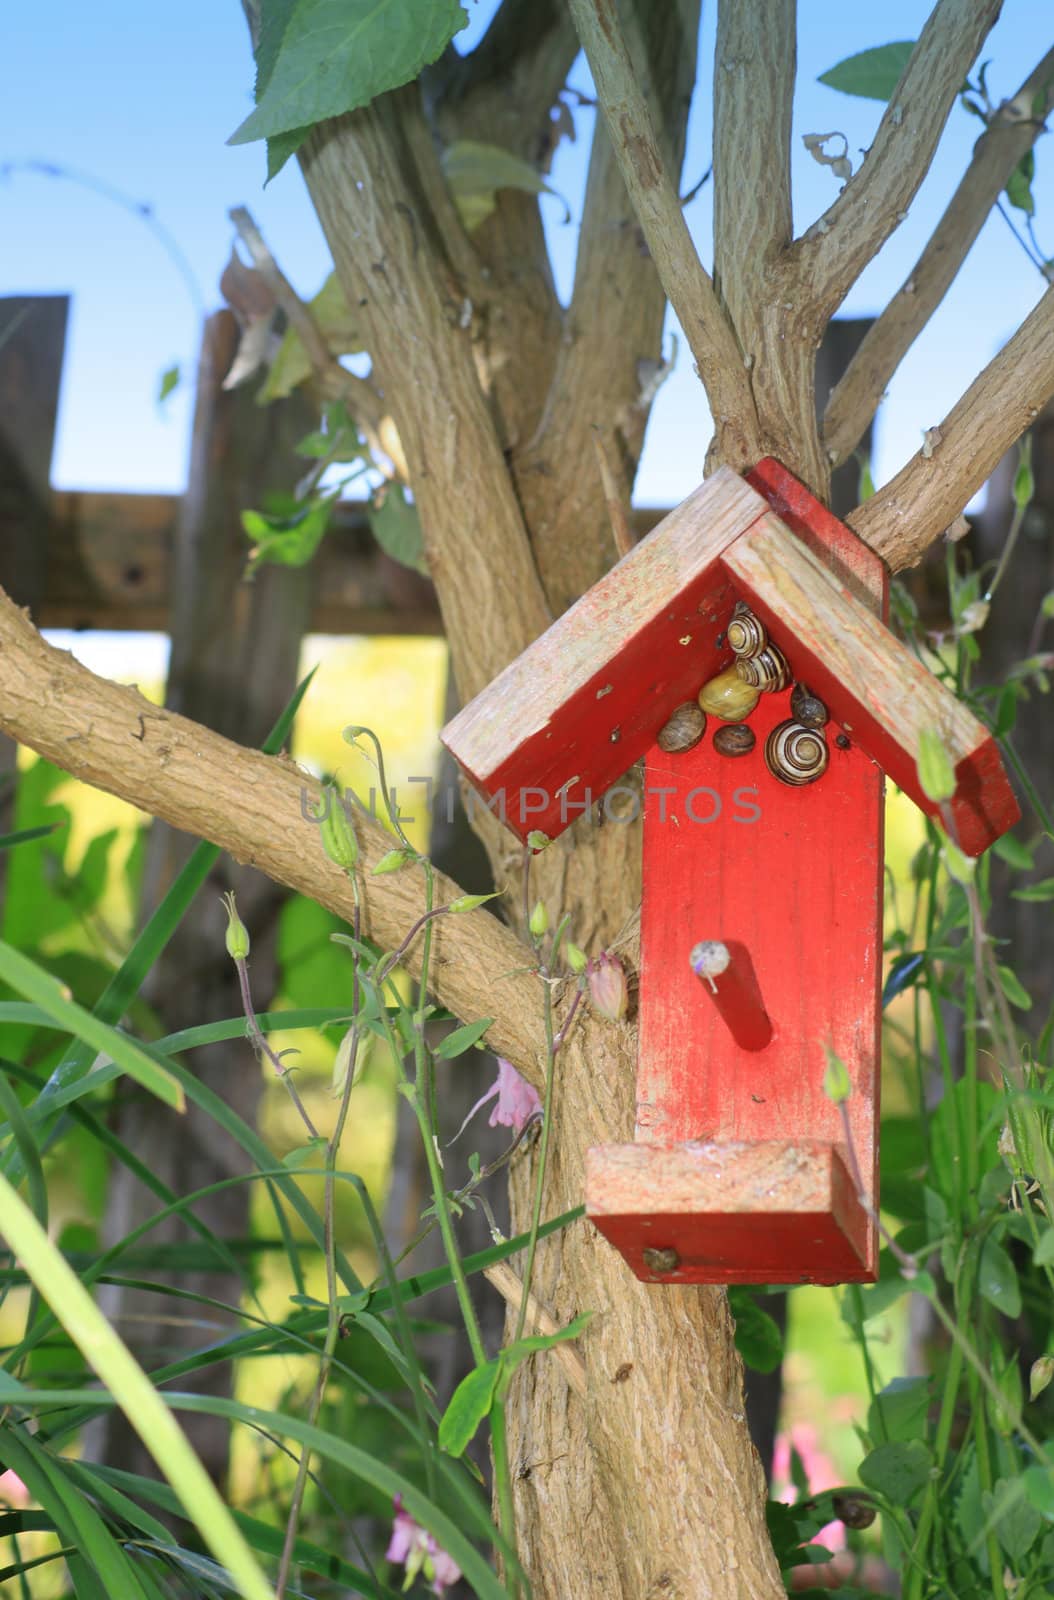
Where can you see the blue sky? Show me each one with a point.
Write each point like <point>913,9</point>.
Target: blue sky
<point>143,98</point>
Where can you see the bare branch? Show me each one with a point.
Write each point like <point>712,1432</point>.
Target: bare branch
<point>336,383</point>
<point>606,373</point>
<point>754,70</point>
<point>653,192</point>
<point>503,90</point>
<point>926,496</point>
<point>510,1286</point>
<point>1011,132</point>
<point>252,806</point>
<point>420,339</point>
<point>829,258</point>
<point>617,507</point>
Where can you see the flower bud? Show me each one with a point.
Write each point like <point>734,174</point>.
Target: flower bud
<point>1040,1375</point>
<point>343,1060</point>
<point>469,902</point>
<point>237,932</point>
<point>539,920</point>
<point>338,836</point>
<point>607,987</point>
<point>577,959</point>
<point>392,862</point>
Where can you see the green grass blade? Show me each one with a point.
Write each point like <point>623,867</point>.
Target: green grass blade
<point>24,835</point>
<point>128,979</point>
<point>132,1390</point>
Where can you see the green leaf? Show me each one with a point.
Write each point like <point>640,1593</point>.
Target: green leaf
<point>872,74</point>
<point>33,983</point>
<point>1014,852</point>
<point>1035,891</point>
<point>898,1412</point>
<point>288,541</point>
<point>280,147</point>
<point>462,1039</point>
<point>905,971</point>
<point>997,1279</point>
<point>1016,1520</point>
<point>475,172</point>
<point>1038,1484</point>
<point>1014,989</point>
<point>320,58</point>
<point>292,364</point>
<point>758,1338</point>
<point>169,382</point>
<point>935,771</point>
<point>1019,184</point>
<point>897,1470</point>
<point>1043,1255</point>
<point>397,528</point>
<point>469,1404</point>
<point>520,1349</point>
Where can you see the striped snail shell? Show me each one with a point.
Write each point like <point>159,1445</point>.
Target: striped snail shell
<point>684,729</point>
<point>806,708</point>
<point>796,755</point>
<point>768,670</point>
<point>745,635</point>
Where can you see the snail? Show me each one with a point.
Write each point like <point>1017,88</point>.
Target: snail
<point>684,729</point>
<point>806,708</point>
<point>728,697</point>
<point>768,670</point>
<point>745,635</point>
<point>734,740</point>
<point>796,755</point>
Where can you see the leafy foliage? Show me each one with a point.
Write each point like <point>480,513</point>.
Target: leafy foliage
<point>320,58</point>
<point>871,74</point>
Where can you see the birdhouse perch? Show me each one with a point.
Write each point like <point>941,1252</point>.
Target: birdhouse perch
<point>761,915</point>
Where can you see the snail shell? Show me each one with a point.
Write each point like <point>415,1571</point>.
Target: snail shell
<point>727,696</point>
<point>745,635</point>
<point>806,708</point>
<point>796,755</point>
<point>684,729</point>
<point>735,740</point>
<point>768,670</point>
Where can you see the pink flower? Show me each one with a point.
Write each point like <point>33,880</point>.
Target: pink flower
<point>606,979</point>
<point>13,1491</point>
<point>417,1550</point>
<point>517,1101</point>
<point>820,1472</point>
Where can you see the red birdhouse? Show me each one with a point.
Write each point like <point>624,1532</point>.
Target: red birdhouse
<point>761,917</point>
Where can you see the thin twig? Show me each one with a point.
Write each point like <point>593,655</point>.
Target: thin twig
<point>618,512</point>
<point>1012,131</point>
<point>510,1287</point>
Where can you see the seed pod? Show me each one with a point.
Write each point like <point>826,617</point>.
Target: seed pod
<point>684,729</point>
<point>746,636</point>
<point>768,670</point>
<point>735,740</point>
<point>806,708</point>
<point>796,755</point>
<point>728,697</point>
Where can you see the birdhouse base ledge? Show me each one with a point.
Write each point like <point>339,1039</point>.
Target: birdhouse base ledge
<point>780,1212</point>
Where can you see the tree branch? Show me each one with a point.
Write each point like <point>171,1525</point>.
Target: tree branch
<point>252,806</point>
<point>334,380</point>
<point>827,260</point>
<point>503,90</point>
<point>1010,134</point>
<point>651,187</point>
<point>605,374</point>
<point>926,496</point>
<point>370,207</point>
<point>754,71</point>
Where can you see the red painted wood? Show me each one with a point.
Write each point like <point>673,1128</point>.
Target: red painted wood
<point>794,877</point>
<point>775,1212</point>
<point>824,533</point>
<point>563,722</point>
<point>734,991</point>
